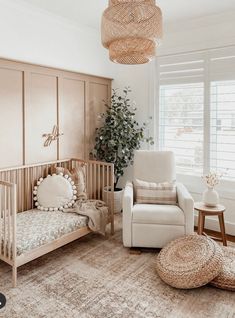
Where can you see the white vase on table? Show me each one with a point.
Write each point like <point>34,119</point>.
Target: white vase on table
<point>210,197</point>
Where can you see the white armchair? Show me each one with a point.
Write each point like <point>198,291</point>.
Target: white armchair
<point>152,225</point>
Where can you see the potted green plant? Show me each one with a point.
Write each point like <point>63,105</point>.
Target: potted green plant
<point>118,138</point>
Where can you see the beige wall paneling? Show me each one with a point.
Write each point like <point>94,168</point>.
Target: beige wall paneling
<point>34,98</point>
<point>11,116</point>
<point>41,105</point>
<point>71,117</point>
<point>98,91</point>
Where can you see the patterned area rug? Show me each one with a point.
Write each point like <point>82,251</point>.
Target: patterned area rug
<point>98,277</point>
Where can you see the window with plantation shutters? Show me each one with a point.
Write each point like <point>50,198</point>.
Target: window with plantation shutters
<point>196,110</point>
<point>181,110</point>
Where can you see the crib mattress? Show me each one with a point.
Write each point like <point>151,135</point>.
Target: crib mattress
<point>36,228</point>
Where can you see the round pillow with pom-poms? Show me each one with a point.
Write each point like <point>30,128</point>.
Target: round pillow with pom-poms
<point>54,193</point>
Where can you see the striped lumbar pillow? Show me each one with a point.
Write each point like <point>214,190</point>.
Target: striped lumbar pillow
<point>155,193</point>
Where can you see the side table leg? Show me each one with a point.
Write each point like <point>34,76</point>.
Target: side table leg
<point>203,222</point>
<point>200,223</point>
<point>222,228</point>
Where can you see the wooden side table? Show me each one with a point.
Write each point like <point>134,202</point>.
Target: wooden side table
<point>204,211</point>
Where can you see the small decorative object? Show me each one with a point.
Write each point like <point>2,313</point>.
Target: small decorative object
<point>54,135</point>
<point>131,30</point>
<point>118,138</point>
<point>55,192</point>
<point>210,197</point>
<point>190,261</point>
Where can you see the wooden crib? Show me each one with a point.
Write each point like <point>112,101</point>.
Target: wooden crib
<point>16,188</point>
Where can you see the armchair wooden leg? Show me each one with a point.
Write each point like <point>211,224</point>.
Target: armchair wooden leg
<point>135,251</point>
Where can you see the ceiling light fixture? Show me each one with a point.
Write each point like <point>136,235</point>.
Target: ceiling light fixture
<point>131,30</point>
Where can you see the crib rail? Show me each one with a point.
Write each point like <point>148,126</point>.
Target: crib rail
<point>7,222</point>
<point>99,181</point>
<point>25,178</point>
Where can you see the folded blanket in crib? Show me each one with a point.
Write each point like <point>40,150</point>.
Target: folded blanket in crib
<point>95,210</point>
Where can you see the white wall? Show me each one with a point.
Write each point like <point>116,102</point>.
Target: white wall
<point>35,36</point>
<point>199,34</point>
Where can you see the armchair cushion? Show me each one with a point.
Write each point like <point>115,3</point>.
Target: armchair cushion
<point>157,214</point>
<point>154,166</point>
<point>155,193</point>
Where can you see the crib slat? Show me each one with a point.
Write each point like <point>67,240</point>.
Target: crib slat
<point>87,180</point>
<point>9,221</point>
<point>32,185</point>
<point>1,225</point>
<point>107,187</point>
<point>4,220</point>
<point>98,182</point>
<point>91,180</point>
<point>13,209</point>
<point>103,198</point>
<point>95,181</point>
<point>112,200</point>
<point>22,190</point>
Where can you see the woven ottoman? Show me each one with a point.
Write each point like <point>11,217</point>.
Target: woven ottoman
<point>226,278</point>
<point>189,262</point>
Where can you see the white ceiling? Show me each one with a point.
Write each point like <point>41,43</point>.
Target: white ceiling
<point>88,12</point>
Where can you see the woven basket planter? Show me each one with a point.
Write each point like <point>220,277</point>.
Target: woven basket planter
<point>226,278</point>
<point>117,196</point>
<point>190,262</point>
<point>131,30</point>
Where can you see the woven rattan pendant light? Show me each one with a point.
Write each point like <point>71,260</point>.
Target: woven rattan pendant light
<point>131,30</point>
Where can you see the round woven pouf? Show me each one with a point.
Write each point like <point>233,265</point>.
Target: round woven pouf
<point>190,262</point>
<point>226,278</point>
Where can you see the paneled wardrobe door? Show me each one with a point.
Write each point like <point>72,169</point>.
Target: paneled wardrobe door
<point>11,116</point>
<point>41,103</point>
<point>71,117</point>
